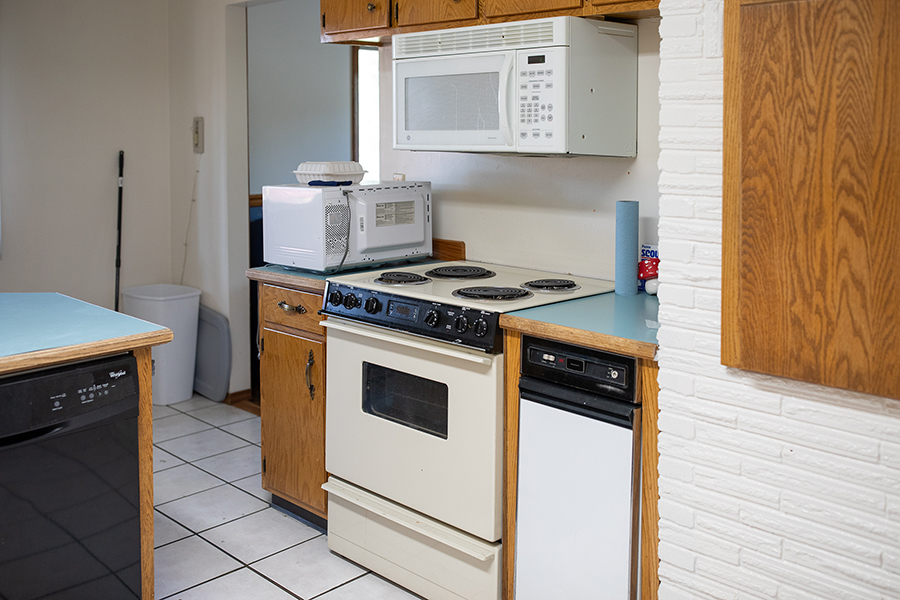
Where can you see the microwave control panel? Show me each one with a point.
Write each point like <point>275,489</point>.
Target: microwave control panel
<point>541,120</point>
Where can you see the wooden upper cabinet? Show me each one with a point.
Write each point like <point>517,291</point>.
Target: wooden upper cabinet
<point>354,15</point>
<point>811,221</point>
<point>611,7</point>
<point>422,12</point>
<point>502,8</point>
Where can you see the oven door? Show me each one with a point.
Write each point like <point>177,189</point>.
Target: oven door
<point>418,422</point>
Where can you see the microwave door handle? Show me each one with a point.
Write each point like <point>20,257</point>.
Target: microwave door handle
<point>505,75</point>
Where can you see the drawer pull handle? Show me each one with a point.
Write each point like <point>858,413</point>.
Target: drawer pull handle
<point>288,308</point>
<point>309,363</point>
<point>370,7</point>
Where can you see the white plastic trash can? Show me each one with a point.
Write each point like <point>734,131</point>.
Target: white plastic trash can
<point>176,307</point>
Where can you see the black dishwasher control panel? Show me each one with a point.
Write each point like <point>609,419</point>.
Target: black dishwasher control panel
<point>581,368</point>
<point>49,396</point>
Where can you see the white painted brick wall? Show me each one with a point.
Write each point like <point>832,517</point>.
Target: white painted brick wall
<point>769,488</point>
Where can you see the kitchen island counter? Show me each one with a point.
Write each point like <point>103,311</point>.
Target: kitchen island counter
<point>39,330</point>
<point>43,329</point>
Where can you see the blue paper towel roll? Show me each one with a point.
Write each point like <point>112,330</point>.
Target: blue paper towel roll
<point>626,247</point>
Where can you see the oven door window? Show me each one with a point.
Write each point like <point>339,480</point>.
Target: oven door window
<point>406,399</point>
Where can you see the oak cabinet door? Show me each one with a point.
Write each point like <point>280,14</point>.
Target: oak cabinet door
<point>292,406</point>
<point>610,7</point>
<point>501,8</point>
<point>354,15</point>
<point>810,192</point>
<point>422,12</point>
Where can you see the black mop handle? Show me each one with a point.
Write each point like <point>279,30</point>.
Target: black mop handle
<point>119,227</point>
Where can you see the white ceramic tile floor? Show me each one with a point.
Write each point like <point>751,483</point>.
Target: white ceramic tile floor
<point>166,428</point>
<point>181,481</point>
<point>234,464</point>
<point>162,460</point>
<point>202,444</point>
<point>217,537</point>
<point>166,531</point>
<point>221,414</point>
<point>253,485</point>
<point>248,430</point>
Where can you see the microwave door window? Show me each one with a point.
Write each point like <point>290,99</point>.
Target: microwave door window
<point>460,102</point>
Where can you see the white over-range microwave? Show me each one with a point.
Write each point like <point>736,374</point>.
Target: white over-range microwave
<point>561,85</point>
<point>326,229</point>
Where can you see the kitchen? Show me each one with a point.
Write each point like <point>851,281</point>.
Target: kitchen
<point>183,50</point>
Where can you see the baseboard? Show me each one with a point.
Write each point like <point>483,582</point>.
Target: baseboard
<point>243,400</point>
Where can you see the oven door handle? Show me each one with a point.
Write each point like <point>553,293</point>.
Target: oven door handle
<point>408,341</point>
<point>480,551</point>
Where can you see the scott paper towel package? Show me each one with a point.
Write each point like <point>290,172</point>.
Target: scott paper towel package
<point>647,269</point>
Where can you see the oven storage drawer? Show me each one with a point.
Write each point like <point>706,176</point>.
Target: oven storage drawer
<point>409,548</point>
<point>292,308</point>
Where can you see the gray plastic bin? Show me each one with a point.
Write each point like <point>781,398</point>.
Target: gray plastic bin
<point>176,307</point>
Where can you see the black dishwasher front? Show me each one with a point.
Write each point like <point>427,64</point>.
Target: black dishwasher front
<point>69,484</point>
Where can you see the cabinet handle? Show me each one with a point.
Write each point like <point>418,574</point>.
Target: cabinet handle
<point>309,363</point>
<point>370,7</point>
<point>288,308</point>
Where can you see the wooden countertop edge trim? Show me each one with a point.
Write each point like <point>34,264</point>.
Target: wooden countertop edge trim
<point>54,356</point>
<point>600,341</point>
<point>297,282</point>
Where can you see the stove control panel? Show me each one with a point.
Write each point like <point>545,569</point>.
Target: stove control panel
<point>451,323</point>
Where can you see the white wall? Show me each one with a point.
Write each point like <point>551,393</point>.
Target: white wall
<point>557,213</point>
<point>299,92</point>
<point>769,488</point>
<point>207,49</point>
<point>81,80</point>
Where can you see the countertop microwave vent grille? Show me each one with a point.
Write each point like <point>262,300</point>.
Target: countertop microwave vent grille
<point>525,34</point>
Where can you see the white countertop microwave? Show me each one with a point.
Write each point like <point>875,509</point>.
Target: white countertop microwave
<point>561,85</point>
<point>329,228</point>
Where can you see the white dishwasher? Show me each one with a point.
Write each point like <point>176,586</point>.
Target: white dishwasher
<point>578,507</point>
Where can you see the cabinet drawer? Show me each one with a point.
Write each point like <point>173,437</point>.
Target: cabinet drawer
<point>292,308</point>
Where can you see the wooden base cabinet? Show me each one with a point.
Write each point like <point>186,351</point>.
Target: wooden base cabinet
<point>292,397</point>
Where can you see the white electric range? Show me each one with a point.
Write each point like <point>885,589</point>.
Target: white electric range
<point>456,302</point>
<point>414,418</point>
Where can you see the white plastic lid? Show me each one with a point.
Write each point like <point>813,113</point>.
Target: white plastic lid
<point>346,170</point>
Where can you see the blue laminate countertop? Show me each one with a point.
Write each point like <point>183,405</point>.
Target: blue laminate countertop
<point>626,324</point>
<point>31,322</point>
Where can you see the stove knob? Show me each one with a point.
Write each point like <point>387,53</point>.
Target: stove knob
<point>461,324</point>
<point>372,305</point>
<point>350,301</point>
<point>335,298</point>
<point>480,327</point>
<point>432,317</point>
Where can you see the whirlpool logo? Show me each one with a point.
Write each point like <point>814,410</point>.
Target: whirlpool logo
<point>116,374</point>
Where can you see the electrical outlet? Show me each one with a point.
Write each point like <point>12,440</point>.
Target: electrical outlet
<point>198,135</point>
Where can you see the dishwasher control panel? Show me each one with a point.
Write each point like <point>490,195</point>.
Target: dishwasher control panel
<point>42,398</point>
<point>579,367</point>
